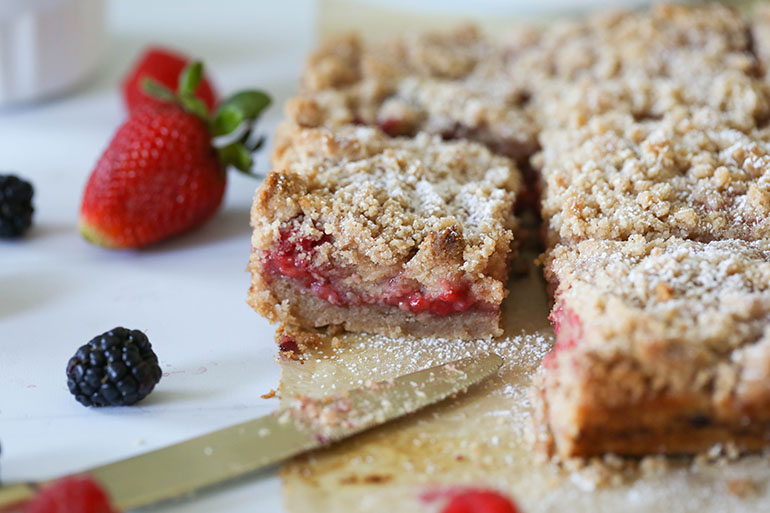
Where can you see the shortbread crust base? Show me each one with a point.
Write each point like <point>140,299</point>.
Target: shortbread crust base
<point>285,302</point>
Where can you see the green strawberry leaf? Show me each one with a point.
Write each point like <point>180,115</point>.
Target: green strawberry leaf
<point>190,78</point>
<point>155,89</point>
<point>236,155</point>
<point>251,103</point>
<point>242,107</point>
<point>227,119</point>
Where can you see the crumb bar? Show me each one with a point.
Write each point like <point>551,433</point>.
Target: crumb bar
<point>662,347</point>
<point>644,64</point>
<point>455,84</point>
<point>398,236</point>
<point>680,176</point>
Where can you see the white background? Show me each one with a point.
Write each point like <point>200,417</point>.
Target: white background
<point>57,291</point>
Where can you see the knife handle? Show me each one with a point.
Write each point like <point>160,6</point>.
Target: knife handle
<point>14,496</point>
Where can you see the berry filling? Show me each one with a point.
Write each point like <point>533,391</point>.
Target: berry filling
<point>454,297</point>
<point>569,330</point>
<point>292,258</point>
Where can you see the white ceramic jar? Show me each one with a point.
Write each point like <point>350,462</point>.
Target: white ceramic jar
<point>47,46</point>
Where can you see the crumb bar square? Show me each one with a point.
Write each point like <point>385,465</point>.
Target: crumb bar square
<point>400,236</point>
<point>686,175</point>
<point>644,64</point>
<point>662,347</point>
<point>455,84</point>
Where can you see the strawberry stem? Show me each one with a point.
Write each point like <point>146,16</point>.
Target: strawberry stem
<point>242,108</point>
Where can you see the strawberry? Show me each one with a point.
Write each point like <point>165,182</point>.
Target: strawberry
<point>164,66</point>
<point>77,494</point>
<point>161,175</point>
<point>479,501</point>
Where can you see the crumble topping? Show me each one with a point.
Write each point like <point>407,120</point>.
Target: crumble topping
<point>668,40</point>
<point>645,64</point>
<point>685,175</point>
<point>653,130</point>
<point>452,55</point>
<point>459,84</point>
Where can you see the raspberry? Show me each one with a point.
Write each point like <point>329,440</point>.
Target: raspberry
<point>15,206</point>
<point>480,501</point>
<point>77,494</point>
<point>117,368</point>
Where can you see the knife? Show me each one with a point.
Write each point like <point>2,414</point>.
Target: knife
<point>305,424</point>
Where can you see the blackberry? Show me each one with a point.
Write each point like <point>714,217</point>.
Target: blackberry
<point>15,206</point>
<point>117,368</point>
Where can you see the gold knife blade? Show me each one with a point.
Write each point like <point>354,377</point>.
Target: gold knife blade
<point>186,467</point>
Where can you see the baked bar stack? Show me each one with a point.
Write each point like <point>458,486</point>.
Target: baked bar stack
<point>390,210</point>
<point>401,236</point>
<point>656,220</point>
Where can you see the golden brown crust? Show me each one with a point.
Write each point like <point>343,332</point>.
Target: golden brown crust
<point>670,423</point>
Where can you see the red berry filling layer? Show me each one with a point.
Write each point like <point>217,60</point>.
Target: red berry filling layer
<point>569,331</point>
<point>292,258</point>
